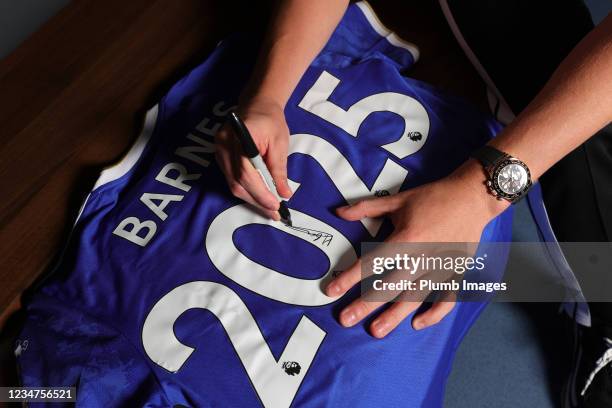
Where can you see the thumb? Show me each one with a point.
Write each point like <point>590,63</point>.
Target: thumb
<point>368,208</point>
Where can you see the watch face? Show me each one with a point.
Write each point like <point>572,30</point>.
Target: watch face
<point>512,178</point>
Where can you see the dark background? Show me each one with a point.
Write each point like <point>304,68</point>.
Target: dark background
<point>20,18</point>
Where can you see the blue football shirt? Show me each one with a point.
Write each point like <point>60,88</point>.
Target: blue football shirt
<point>171,291</point>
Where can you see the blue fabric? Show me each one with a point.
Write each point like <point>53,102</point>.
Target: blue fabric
<point>85,325</point>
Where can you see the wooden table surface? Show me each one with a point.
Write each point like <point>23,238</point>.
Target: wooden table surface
<point>72,99</point>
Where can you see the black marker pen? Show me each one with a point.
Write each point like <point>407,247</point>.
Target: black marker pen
<point>251,151</point>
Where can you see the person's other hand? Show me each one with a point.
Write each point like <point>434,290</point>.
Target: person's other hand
<point>453,209</point>
<point>265,120</point>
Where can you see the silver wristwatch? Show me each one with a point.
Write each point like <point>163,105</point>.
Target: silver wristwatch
<point>508,177</point>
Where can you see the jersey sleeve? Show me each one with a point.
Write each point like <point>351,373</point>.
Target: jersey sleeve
<point>60,346</point>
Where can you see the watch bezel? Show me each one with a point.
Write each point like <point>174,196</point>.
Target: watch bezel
<point>494,185</point>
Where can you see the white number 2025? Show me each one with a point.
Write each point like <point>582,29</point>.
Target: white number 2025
<point>274,387</point>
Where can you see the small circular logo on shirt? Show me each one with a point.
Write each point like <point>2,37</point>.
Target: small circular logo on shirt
<point>415,136</point>
<point>292,367</point>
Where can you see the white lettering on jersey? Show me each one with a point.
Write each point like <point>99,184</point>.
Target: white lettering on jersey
<point>182,176</point>
<point>137,226</point>
<point>344,177</point>
<point>212,131</point>
<point>194,153</point>
<point>274,385</point>
<point>149,200</point>
<point>219,111</point>
<point>414,114</point>
<point>268,282</point>
<point>174,175</point>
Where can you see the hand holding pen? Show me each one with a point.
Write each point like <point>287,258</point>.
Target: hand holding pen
<point>265,123</point>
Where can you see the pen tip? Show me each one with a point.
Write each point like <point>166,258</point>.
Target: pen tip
<point>284,213</point>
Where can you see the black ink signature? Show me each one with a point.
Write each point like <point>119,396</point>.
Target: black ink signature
<point>325,237</point>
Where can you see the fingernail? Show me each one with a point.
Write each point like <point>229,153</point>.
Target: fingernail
<point>380,328</point>
<point>418,324</point>
<point>333,289</point>
<point>348,317</point>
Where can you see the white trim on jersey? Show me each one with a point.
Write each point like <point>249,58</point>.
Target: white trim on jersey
<point>125,164</point>
<point>379,27</point>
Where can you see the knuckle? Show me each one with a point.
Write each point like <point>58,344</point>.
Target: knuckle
<point>347,280</point>
<point>363,308</point>
<point>222,135</point>
<point>281,140</point>
<point>279,174</point>
<point>236,189</point>
<point>396,199</point>
<point>361,206</point>
<point>244,178</point>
